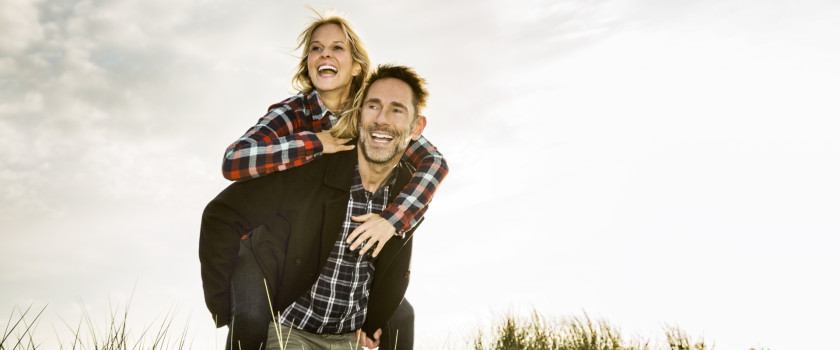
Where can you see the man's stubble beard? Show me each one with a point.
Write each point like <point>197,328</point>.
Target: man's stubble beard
<point>400,143</point>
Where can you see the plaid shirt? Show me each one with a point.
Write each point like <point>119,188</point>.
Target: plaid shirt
<point>337,302</point>
<point>285,138</point>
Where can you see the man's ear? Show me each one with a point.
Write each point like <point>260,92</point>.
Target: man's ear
<point>419,125</point>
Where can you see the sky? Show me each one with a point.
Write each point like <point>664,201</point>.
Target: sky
<point>647,162</point>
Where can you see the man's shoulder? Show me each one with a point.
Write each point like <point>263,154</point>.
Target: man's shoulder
<point>403,172</point>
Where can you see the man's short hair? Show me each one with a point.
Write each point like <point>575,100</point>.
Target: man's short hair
<point>408,76</point>
<point>348,125</point>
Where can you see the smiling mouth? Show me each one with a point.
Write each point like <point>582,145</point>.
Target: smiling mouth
<point>381,138</point>
<point>327,70</point>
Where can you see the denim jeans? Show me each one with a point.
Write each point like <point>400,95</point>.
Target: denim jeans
<point>251,313</point>
<point>250,309</point>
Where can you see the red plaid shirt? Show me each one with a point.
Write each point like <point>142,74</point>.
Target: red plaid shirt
<point>285,138</point>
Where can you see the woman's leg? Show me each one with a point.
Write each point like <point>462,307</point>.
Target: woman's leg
<point>249,304</point>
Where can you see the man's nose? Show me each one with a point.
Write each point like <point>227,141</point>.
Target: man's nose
<point>381,118</point>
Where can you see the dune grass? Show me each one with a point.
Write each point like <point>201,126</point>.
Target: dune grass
<point>537,332</point>
<point>534,332</point>
<point>18,333</point>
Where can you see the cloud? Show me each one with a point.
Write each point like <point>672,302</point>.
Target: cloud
<point>20,26</point>
<point>92,92</point>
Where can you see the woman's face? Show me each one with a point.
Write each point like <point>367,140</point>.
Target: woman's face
<point>330,61</point>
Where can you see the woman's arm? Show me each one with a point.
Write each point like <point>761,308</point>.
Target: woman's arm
<point>280,140</point>
<point>409,206</point>
<point>286,137</point>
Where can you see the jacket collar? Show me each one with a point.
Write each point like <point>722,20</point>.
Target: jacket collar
<point>337,174</point>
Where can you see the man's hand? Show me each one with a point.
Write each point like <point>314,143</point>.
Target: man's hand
<point>332,144</point>
<point>374,229</point>
<point>367,342</point>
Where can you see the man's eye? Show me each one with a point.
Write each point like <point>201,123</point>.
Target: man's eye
<point>397,110</point>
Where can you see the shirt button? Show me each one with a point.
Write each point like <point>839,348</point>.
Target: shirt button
<point>408,272</point>
<point>298,261</point>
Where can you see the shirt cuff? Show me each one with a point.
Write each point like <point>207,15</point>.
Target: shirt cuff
<point>399,227</point>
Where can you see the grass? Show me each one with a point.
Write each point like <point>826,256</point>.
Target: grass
<point>538,332</point>
<point>18,333</point>
<point>534,332</point>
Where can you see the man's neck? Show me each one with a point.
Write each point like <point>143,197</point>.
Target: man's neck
<point>374,175</point>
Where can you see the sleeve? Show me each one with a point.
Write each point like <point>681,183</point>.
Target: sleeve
<point>226,218</point>
<point>408,208</point>
<point>280,140</point>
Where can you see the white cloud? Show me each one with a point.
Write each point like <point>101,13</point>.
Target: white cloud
<point>19,25</point>
<point>632,126</point>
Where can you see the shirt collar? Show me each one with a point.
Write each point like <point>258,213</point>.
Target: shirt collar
<point>384,190</point>
<point>319,110</point>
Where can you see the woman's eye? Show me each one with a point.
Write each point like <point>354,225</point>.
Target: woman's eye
<point>315,48</point>
<point>338,48</point>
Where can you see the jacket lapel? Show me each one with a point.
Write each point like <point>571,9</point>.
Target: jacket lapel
<point>338,175</point>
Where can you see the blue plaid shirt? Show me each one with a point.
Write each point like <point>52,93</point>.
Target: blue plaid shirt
<point>337,302</point>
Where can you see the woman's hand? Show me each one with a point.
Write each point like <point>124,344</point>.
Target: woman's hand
<point>332,144</point>
<point>374,229</point>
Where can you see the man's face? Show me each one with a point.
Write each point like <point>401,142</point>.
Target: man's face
<point>386,127</point>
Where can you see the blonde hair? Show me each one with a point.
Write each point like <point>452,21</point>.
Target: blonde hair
<point>301,80</point>
<point>348,126</point>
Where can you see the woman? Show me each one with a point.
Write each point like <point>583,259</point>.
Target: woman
<point>333,67</point>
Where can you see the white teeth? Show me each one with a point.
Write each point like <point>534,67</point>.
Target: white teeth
<point>327,67</point>
<point>381,136</point>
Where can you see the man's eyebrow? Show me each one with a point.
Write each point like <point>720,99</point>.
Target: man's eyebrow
<point>395,103</point>
<point>378,101</point>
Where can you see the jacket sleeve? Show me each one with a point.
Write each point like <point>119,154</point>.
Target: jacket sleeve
<point>408,208</point>
<point>389,282</point>
<point>238,209</point>
<point>280,140</point>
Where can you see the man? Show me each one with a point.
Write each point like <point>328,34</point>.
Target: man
<point>299,222</point>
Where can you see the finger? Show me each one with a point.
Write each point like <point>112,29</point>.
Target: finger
<point>377,334</point>
<point>357,243</point>
<point>361,218</point>
<point>375,254</point>
<point>356,232</point>
<point>367,246</point>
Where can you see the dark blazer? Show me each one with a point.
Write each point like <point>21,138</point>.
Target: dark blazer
<point>295,217</point>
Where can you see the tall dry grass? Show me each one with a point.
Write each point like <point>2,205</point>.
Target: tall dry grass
<point>18,333</point>
<point>537,332</point>
<point>534,332</point>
